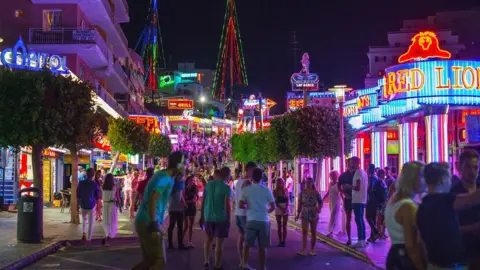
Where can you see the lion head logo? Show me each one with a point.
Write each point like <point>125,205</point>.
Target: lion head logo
<point>424,45</point>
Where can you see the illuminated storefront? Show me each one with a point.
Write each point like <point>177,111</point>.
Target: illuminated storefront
<point>425,108</point>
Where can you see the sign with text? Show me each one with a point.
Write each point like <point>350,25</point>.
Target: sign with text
<point>180,104</point>
<point>151,123</point>
<point>446,82</point>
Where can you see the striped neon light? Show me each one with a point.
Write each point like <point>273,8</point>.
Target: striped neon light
<point>379,148</point>
<point>408,139</point>
<point>326,169</point>
<point>358,151</point>
<point>436,127</point>
<point>336,164</point>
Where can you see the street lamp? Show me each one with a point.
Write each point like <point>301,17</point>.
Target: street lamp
<point>340,91</point>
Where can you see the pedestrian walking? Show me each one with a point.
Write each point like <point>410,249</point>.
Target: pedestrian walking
<point>241,214</point>
<point>400,218</point>
<point>110,213</point>
<point>88,196</point>
<point>191,198</point>
<point>150,216</point>
<point>280,193</point>
<point>309,207</point>
<point>216,213</point>
<point>373,203</point>
<point>259,202</point>
<point>359,199</point>
<point>176,212</point>
<point>333,195</point>
<point>345,184</point>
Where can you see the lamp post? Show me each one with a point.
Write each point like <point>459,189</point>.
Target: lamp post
<point>340,91</point>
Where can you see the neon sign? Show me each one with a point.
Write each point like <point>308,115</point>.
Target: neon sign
<point>350,110</point>
<point>364,102</point>
<point>295,103</point>
<point>304,80</point>
<point>166,80</point>
<point>20,57</point>
<point>434,82</point>
<point>424,45</point>
<point>180,104</point>
<point>151,123</point>
<point>189,75</point>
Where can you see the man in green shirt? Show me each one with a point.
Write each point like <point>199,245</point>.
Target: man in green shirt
<point>216,212</point>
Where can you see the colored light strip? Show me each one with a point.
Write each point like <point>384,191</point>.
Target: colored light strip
<point>379,148</point>
<point>336,164</point>
<point>326,169</point>
<point>408,139</point>
<point>437,137</point>
<point>360,151</point>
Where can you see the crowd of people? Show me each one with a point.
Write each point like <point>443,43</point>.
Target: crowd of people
<point>432,223</point>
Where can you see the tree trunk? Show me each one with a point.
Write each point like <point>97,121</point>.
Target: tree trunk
<point>270,176</point>
<point>75,219</point>
<point>114,161</point>
<point>37,170</point>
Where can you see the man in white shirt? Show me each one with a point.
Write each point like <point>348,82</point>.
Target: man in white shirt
<point>289,186</point>
<point>241,214</point>
<point>359,199</point>
<point>259,202</point>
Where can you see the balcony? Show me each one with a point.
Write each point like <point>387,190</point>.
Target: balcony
<point>118,81</point>
<point>100,13</point>
<point>121,11</point>
<point>112,108</point>
<point>87,43</point>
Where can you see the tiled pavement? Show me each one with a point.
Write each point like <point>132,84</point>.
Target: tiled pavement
<point>56,228</point>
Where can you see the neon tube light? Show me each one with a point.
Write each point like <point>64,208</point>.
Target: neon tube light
<point>437,137</point>
<point>408,139</point>
<point>379,148</point>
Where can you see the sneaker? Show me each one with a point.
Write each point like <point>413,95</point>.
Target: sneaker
<point>302,253</point>
<point>359,244</point>
<point>190,245</point>
<point>312,253</point>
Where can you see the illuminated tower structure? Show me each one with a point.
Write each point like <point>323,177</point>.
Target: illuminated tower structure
<point>230,69</point>
<point>150,47</point>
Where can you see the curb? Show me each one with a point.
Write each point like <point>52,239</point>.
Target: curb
<point>54,247</point>
<point>335,244</point>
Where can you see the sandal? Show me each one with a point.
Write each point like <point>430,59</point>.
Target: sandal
<point>312,253</point>
<point>301,253</point>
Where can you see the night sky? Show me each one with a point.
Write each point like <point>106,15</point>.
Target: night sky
<point>335,33</point>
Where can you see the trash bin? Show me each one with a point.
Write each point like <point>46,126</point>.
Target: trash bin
<point>29,216</point>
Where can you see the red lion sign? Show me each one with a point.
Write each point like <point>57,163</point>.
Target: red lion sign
<point>424,45</point>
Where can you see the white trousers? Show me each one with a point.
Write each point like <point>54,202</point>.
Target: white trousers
<point>87,216</point>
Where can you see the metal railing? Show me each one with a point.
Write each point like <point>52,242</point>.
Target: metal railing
<point>67,36</point>
<point>121,72</point>
<point>107,97</point>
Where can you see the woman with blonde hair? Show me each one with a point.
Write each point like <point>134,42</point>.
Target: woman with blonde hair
<point>333,195</point>
<point>406,252</point>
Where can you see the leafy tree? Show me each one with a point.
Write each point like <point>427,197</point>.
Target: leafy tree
<point>280,137</point>
<point>126,137</point>
<point>315,131</point>
<point>267,147</point>
<point>159,145</point>
<point>73,102</point>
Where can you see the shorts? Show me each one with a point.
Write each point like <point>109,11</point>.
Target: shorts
<point>347,205</point>
<point>241,222</point>
<point>152,245</point>
<point>257,230</point>
<point>191,210</point>
<point>217,229</point>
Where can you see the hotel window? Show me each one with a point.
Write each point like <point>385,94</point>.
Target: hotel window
<point>52,19</point>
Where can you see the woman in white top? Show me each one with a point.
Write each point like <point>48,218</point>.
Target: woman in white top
<point>333,202</point>
<point>127,190</point>
<point>110,214</point>
<point>406,252</point>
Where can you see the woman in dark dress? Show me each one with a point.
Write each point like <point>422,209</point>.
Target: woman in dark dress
<point>191,198</point>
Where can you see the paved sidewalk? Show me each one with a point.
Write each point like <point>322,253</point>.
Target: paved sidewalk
<point>125,256</point>
<point>376,252</point>
<point>56,228</point>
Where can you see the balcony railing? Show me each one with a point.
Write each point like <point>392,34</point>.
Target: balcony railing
<point>112,102</point>
<point>121,72</point>
<point>68,36</point>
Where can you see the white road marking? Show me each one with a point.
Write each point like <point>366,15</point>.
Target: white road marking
<point>88,263</point>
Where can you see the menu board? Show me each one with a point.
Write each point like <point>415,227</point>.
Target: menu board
<point>47,180</point>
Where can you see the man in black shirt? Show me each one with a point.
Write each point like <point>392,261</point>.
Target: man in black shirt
<point>468,168</point>
<point>345,182</point>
